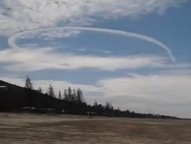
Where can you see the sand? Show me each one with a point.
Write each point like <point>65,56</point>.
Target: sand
<point>67,129</point>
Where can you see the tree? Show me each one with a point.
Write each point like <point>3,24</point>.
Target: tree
<point>51,91</point>
<point>74,97</point>
<point>65,95</point>
<point>59,95</point>
<point>40,89</point>
<point>28,83</point>
<point>108,106</point>
<point>79,97</point>
<point>69,94</point>
<point>95,104</point>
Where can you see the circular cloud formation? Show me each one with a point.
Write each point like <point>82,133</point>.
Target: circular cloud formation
<point>12,39</point>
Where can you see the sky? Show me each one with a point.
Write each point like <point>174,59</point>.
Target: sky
<point>135,54</point>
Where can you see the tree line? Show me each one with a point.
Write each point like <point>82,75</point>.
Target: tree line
<point>69,95</point>
<point>72,102</point>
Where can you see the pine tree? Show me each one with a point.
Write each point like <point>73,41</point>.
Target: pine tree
<point>40,89</point>
<point>95,104</point>
<point>108,106</point>
<point>74,96</point>
<point>28,83</point>
<point>59,95</point>
<point>69,94</point>
<point>51,91</point>
<point>65,95</point>
<point>79,96</point>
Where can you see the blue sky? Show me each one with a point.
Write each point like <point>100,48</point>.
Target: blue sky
<point>132,72</point>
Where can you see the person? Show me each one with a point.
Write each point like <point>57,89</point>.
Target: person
<point>90,115</point>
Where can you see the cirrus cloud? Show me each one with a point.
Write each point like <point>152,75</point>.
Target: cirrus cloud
<point>46,58</point>
<point>20,15</point>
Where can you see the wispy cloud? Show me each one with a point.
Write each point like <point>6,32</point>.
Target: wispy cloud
<point>46,58</point>
<point>21,14</point>
<point>162,93</point>
<point>31,45</point>
<point>49,35</point>
<point>102,51</point>
<point>81,49</point>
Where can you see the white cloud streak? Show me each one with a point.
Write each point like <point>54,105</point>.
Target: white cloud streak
<point>12,39</point>
<point>46,58</point>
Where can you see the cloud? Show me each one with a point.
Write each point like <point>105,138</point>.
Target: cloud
<point>147,85</point>
<point>20,15</point>
<point>46,58</point>
<point>12,40</point>
<point>102,51</point>
<point>81,49</point>
<point>31,45</point>
<point>106,51</point>
<point>163,93</point>
<point>60,33</point>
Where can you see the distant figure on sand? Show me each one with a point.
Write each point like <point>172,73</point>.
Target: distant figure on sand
<point>90,115</point>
